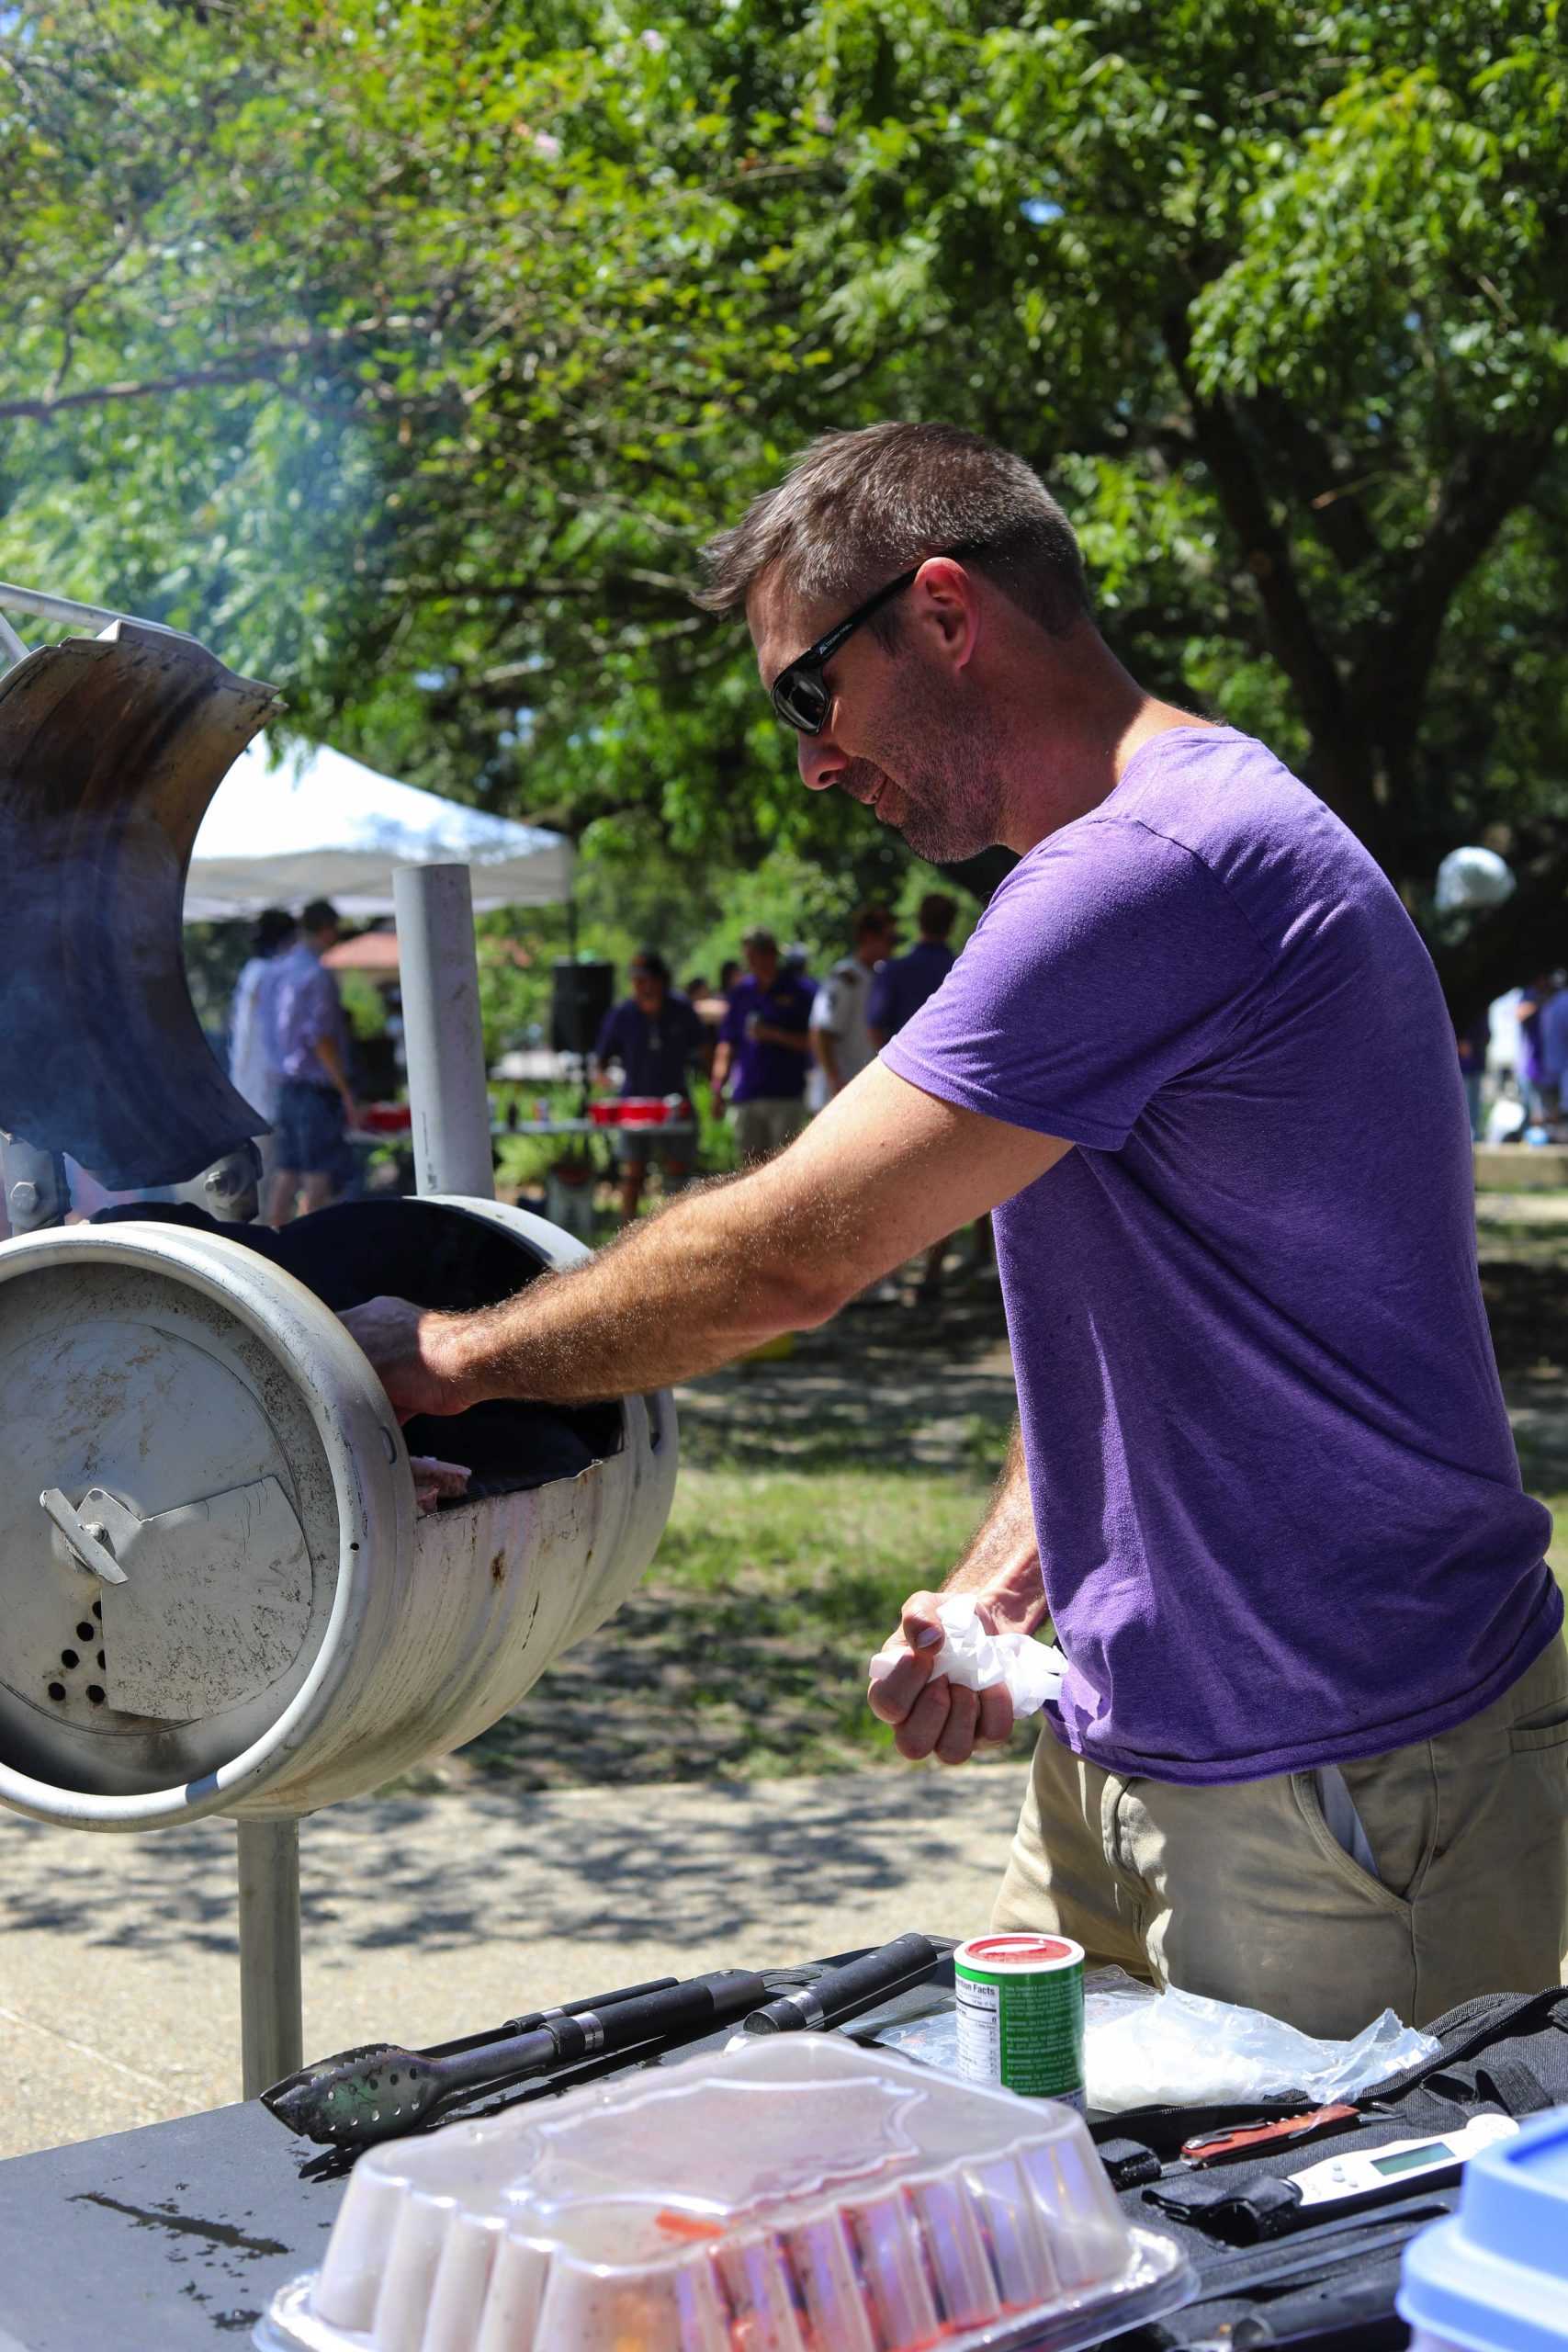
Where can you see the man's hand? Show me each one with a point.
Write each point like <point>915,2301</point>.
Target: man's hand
<point>413,1349</point>
<point>932,1716</point>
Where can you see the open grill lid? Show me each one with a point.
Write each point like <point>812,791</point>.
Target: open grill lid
<point>110,750</point>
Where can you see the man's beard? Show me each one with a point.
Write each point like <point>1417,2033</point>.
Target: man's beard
<point>948,800</point>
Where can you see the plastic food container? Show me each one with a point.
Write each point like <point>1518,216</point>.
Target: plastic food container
<point>1494,2277</point>
<point>799,2195</point>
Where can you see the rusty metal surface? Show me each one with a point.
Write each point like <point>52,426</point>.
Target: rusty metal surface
<point>110,750</point>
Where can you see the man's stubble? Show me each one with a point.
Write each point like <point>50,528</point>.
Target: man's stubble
<point>948,790</point>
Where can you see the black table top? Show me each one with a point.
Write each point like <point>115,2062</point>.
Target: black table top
<point>173,2237</point>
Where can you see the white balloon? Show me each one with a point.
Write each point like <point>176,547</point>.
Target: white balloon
<point>1473,878</point>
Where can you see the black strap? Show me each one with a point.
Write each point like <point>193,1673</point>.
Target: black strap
<point>1242,2213</point>
<point>1129,2163</point>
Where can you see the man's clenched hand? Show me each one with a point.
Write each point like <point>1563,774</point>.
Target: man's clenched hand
<point>413,1350</point>
<point>932,1716</point>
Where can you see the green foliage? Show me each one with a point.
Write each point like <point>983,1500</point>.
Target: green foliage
<point>408,349</point>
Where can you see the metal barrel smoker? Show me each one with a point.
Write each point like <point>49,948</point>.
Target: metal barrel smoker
<point>218,1595</point>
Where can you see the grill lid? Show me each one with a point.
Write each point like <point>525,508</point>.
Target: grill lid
<point>110,750</point>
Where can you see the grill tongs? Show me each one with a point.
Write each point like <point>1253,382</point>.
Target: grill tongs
<point>380,2091</point>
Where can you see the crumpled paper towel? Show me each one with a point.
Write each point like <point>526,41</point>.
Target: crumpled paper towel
<point>975,1658</point>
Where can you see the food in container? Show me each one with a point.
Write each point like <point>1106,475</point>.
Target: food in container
<point>799,2194</point>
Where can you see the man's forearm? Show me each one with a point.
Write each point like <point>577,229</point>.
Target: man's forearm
<point>677,1295</point>
<point>1003,1557</point>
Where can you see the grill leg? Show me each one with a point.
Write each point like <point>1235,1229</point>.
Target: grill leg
<point>272,2033</point>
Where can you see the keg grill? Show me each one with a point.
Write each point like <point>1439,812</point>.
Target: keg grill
<point>218,1593</point>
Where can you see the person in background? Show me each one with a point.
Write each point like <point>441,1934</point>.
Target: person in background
<point>252,1042</point>
<point>840,1033</point>
<point>728,972</point>
<point>1553,1050</point>
<point>904,982</point>
<point>656,1036</point>
<point>1530,1010</point>
<point>315,1103</point>
<point>1473,1043</point>
<point>897,992</point>
<point>765,1040</point>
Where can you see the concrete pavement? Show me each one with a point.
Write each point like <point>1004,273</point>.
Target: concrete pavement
<point>428,1917</point>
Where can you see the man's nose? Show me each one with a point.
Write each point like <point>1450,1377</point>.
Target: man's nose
<point>821,761</point>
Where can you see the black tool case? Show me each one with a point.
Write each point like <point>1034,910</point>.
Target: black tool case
<point>1270,2274</point>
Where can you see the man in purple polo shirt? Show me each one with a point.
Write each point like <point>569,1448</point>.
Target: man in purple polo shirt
<point>1312,1751</point>
<point>764,1040</point>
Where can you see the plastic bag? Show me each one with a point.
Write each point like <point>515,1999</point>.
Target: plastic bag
<point>1148,2049</point>
<point>974,1658</point>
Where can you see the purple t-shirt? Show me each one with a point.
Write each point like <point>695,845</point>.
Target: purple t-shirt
<point>766,1072</point>
<point>655,1050</point>
<point>302,1005</point>
<point>1274,1486</point>
<point>904,982</point>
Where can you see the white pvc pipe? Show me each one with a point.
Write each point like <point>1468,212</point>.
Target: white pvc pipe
<point>442,1035</point>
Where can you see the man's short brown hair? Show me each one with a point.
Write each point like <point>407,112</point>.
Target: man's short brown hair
<point>873,919</point>
<point>937,915</point>
<point>857,509</point>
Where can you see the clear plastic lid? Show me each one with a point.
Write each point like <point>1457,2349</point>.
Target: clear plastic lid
<point>798,2195</point>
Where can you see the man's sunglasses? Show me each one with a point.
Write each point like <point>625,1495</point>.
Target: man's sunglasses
<point>801,694</point>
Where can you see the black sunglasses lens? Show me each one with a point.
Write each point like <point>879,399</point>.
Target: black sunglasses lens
<point>802,701</point>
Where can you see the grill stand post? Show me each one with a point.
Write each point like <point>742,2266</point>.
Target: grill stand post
<point>272,2030</point>
<point>442,1035</point>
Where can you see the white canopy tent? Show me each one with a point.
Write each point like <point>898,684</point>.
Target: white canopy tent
<point>319,825</point>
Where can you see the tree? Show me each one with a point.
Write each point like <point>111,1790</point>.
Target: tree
<point>411,353</point>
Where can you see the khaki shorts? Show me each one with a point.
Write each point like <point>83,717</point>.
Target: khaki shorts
<point>1244,1894</point>
<point>765,1125</point>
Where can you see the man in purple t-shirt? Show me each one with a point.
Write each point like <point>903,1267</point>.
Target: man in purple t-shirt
<point>1312,1750</point>
<point>765,1050</point>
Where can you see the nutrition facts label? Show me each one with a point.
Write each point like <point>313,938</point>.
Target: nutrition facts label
<point>980,2031</point>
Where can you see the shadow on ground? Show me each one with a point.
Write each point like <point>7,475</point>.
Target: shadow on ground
<point>386,1873</point>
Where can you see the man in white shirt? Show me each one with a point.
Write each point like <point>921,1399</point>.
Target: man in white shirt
<point>841,1033</point>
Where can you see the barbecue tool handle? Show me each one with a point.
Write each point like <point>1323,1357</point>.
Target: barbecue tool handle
<point>842,1993</point>
<point>566,2041</point>
<point>711,2000</point>
<point>513,2027</point>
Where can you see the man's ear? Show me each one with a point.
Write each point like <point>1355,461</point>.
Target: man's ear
<point>944,599</point>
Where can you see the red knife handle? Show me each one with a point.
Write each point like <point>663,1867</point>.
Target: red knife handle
<point>1212,2147</point>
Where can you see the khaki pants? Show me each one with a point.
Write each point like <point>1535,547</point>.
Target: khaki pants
<point>765,1124</point>
<point>1242,1892</point>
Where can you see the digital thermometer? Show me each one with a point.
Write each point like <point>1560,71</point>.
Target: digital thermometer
<point>1361,2170</point>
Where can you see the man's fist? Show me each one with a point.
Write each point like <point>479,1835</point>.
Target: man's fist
<point>930,1716</point>
<point>405,1344</point>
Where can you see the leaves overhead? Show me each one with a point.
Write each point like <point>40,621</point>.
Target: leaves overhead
<point>408,349</point>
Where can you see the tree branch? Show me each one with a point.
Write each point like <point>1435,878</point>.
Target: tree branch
<point>1338,769</point>
<point>1331,488</point>
<point>1489,479</point>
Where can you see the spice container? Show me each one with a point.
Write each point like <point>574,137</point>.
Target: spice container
<point>797,2195</point>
